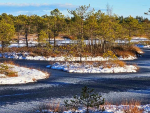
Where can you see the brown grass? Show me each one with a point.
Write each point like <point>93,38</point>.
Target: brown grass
<point>132,107</point>
<point>12,74</point>
<point>136,67</point>
<point>136,49</point>
<point>7,70</point>
<point>127,107</point>
<point>10,62</point>
<point>120,63</point>
<point>51,107</point>
<point>74,50</point>
<point>112,63</point>
<point>125,51</point>
<point>34,79</point>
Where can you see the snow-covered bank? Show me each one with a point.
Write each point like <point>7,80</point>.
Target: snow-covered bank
<point>109,109</point>
<point>25,75</point>
<point>80,68</point>
<point>27,56</point>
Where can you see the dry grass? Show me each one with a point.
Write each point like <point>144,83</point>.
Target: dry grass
<point>74,50</point>
<point>12,74</point>
<point>124,54</point>
<point>127,107</point>
<point>51,107</point>
<point>10,62</point>
<point>137,68</point>
<point>136,49</point>
<point>132,107</point>
<point>126,51</point>
<point>7,70</point>
<point>34,79</point>
<point>113,63</point>
<point>120,63</point>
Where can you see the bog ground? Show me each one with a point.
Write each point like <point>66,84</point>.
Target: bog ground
<point>61,85</point>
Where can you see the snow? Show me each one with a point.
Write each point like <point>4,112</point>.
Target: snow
<point>108,109</point>
<point>128,58</point>
<point>25,75</point>
<point>147,46</point>
<point>22,43</point>
<point>80,68</point>
<point>26,56</point>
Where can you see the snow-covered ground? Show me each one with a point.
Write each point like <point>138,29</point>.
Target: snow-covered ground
<point>80,68</point>
<point>25,75</point>
<point>26,56</point>
<point>110,109</point>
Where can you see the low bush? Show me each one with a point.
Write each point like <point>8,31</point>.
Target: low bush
<point>126,51</point>
<point>7,70</point>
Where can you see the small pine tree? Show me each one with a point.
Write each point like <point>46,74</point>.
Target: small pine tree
<point>87,99</point>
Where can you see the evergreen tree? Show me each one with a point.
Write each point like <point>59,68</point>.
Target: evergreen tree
<point>6,33</point>
<point>87,99</point>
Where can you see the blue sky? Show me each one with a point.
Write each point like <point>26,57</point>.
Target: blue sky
<point>40,7</point>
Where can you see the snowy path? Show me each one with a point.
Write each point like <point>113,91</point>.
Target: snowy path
<point>114,87</point>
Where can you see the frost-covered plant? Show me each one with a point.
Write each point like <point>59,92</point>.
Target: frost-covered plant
<point>87,99</point>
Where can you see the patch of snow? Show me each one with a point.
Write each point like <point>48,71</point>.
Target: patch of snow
<point>127,58</point>
<point>25,75</point>
<point>107,109</point>
<point>147,46</point>
<point>26,56</point>
<point>79,68</point>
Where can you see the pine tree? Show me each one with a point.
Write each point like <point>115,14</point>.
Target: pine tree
<point>87,99</point>
<point>6,33</point>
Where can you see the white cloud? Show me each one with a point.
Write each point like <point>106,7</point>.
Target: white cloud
<point>33,8</point>
<point>22,4</point>
<point>67,5</point>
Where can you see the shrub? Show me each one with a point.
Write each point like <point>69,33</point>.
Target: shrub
<point>87,99</point>
<point>11,74</point>
<point>136,49</point>
<point>125,51</point>
<point>5,69</point>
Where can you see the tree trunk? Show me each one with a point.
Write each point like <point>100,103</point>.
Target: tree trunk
<point>18,38</point>
<point>54,39</point>
<point>87,109</point>
<point>39,41</point>
<point>49,38</point>
<point>104,44</point>
<point>26,37</point>
<point>2,48</point>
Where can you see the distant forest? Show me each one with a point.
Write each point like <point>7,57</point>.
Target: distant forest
<point>83,24</point>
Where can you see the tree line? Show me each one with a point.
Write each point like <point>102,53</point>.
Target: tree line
<point>84,23</point>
